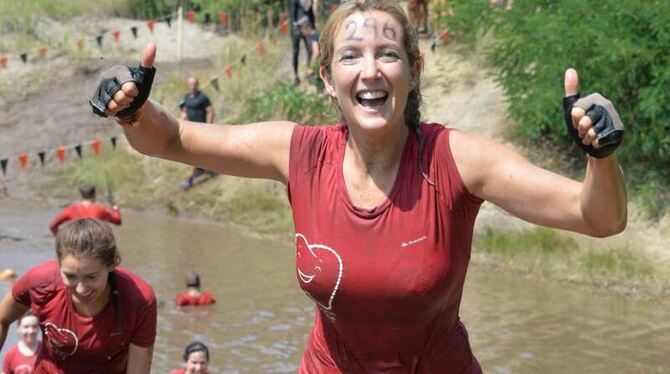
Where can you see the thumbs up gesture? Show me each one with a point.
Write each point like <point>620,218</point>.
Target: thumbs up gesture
<point>592,121</point>
<point>121,91</point>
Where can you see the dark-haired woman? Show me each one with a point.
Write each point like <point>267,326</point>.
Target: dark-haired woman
<point>95,316</point>
<point>383,205</point>
<point>196,359</point>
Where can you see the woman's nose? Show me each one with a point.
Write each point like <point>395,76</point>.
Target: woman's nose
<point>81,287</point>
<point>370,68</point>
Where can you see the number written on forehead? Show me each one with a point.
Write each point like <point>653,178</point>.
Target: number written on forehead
<point>388,31</point>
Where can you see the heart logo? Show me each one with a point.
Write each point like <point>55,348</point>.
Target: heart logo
<point>23,369</point>
<point>319,269</point>
<point>63,341</point>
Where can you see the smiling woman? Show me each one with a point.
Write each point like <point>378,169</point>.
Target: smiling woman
<point>383,205</point>
<point>95,316</point>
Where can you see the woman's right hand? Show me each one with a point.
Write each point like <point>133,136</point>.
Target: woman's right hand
<point>121,91</point>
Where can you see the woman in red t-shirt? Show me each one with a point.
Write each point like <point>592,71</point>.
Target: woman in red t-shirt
<point>196,359</point>
<point>193,296</point>
<point>20,359</point>
<point>384,205</point>
<point>95,316</point>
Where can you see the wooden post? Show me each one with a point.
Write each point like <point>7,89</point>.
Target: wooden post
<point>180,34</point>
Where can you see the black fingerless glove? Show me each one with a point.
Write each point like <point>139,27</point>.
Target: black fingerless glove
<point>110,81</point>
<point>606,123</point>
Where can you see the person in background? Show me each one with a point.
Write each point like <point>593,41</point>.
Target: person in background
<point>296,10</point>
<point>196,359</point>
<point>96,317</point>
<point>20,359</point>
<point>312,36</point>
<point>87,208</point>
<point>196,107</point>
<point>418,14</point>
<point>193,296</point>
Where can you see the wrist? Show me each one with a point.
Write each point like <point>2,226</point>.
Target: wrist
<point>132,120</point>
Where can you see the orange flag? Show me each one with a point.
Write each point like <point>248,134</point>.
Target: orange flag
<point>260,49</point>
<point>95,146</point>
<point>23,161</point>
<point>150,25</point>
<point>60,153</point>
<point>228,69</point>
<point>3,62</point>
<point>43,51</point>
<point>117,36</point>
<point>191,16</point>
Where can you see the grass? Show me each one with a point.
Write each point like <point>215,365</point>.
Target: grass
<point>140,182</point>
<point>245,98</point>
<point>554,254</point>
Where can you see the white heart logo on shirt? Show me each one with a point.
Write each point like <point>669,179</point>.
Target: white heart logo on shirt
<point>319,267</point>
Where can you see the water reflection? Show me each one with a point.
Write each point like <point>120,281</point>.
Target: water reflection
<point>261,319</point>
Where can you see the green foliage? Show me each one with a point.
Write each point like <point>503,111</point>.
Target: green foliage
<point>619,48</point>
<point>556,254</point>
<point>120,171</point>
<point>538,249</point>
<point>285,101</point>
<point>621,262</point>
<point>21,16</point>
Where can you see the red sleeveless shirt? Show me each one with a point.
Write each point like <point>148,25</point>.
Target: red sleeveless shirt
<point>387,281</point>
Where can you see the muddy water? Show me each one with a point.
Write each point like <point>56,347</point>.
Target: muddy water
<point>261,319</point>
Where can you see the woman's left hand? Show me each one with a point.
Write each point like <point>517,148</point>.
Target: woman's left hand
<point>592,121</point>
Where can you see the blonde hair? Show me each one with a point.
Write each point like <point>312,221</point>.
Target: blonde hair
<point>412,111</point>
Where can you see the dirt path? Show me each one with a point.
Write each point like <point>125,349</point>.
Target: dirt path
<point>459,93</point>
<point>44,104</point>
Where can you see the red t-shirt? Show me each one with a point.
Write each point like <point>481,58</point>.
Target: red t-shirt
<point>184,299</point>
<point>387,281</point>
<point>178,371</point>
<point>16,363</point>
<point>78,344</point>
<point>79,210</point>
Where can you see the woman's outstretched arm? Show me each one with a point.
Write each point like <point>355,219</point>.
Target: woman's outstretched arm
<point>258,150</point>
<point>596,206</point>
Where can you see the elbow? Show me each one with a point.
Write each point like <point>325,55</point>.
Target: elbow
<point>607,229</point>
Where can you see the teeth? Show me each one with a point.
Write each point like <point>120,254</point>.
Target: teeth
<point>371,95</point>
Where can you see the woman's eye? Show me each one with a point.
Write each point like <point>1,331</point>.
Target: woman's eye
<point>389,55</point>
<point>348,57</point>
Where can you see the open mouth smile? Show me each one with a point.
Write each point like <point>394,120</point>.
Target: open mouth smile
<point>372,99</point>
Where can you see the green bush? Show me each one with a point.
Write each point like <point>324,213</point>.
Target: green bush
<point>619,48</point>
<point>286,102</point>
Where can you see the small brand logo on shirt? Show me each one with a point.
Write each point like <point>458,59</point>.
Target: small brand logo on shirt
<point>412,242</point>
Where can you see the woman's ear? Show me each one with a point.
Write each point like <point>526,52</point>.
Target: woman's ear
<point>325,77</point>
<point>415,73</point>
<point>117,261</point>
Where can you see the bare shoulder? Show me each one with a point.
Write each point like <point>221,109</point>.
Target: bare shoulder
<point>476,156</point>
